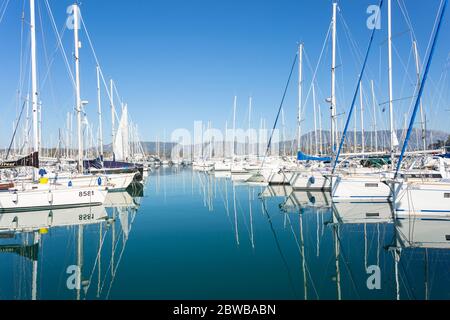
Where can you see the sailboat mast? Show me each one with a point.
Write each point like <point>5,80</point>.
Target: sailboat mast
<point>320,132</point>
<point>315,119</point>
<point>422,114</point>
<point>27,123</point>
<point>78,90</point>
<point>300,96</point>
<point>333,84</point>
<point>234,126</point>
<point>391,99</point>
<point>34,89</point>
<point>250,106</point>
<point>100,120</point>
<point>363,138</point>
<point>113,115</point>
<point>283,120</point>
<point>375,129</point>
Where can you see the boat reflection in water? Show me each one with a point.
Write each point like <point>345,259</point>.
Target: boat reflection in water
<point>83,268</point>
<point>341,251</point>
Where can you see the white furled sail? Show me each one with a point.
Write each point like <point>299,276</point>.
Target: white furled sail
<point>121,145</point>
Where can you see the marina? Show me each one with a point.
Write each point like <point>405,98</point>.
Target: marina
<point>340,190</point>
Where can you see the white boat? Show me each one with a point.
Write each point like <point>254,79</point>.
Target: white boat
<point>114,182</point>
<point>203,166</point>
<point>313,180</point>
<point>31,196</point>
<point>222,166</point>
<point>361,188</point>
<point>422,198</point>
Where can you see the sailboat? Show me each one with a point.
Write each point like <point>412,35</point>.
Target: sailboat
<point>421,195</point>
<point>41,195</point>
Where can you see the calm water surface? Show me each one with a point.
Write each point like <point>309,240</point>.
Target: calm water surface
<point>190,235</point>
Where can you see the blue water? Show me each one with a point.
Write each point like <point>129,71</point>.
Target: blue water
<point>194,236</point>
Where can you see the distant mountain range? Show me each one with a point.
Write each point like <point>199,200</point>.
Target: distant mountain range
<point>432,136</point>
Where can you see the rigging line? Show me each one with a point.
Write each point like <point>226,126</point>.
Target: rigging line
<point>48,63</point>
<point>343,255</point>
<point>22,27</point>
<point>4,11</point>
<point>110,94</point>
<point>353,44</point>
<point>283,258</point>
<point>344,134</point>
<point>15,130</point>
<point>422,87</point>
<point>318,63</point>
<point>279,112</point>
<point>434,28</point>
<point>303,257</point>
<point>53,58</point>
<point>110,266</point>
<point>120,257</point>
<point>61,47</point>
<point>405,13</point>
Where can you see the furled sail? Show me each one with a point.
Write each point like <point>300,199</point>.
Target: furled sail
<point>121,146</point>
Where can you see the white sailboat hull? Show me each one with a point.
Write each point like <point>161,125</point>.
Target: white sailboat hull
<point>422,199</point>
<point>51,197</point>
<point>364,188</point>
<point>114,182</point>
<point>312,180</point>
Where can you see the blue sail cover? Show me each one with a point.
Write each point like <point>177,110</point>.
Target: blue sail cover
<point>305,157</point>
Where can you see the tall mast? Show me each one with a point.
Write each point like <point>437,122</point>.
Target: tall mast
<point>34,89</point>
<point>422,114</point>
<point>77,79</point>
<point>300,96</point>
<point>315,119</point>
<point>333,84</point>
<point>391,99</point>
<point>375,129</point>
<point>283,120</point>
<point>100,122</point>
<point>363,140</point>
<point>113,114</point>
<point>27,123</point>
<point>320,132</point>
<point>355,133</point>
<point>234,126</point>
<point>250,107</point>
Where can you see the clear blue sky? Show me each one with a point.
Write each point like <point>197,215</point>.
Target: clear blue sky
<point>178,61</point>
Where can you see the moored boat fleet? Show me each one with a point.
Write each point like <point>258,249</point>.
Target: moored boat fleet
<point>414,182</point>
<point>32,182</point>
